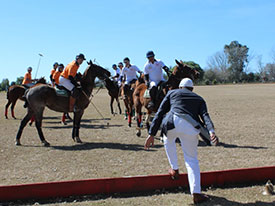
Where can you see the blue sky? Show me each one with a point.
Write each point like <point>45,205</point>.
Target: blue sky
<point>108,31</point>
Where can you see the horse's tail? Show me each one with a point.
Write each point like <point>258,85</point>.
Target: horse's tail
<point>8,94</point>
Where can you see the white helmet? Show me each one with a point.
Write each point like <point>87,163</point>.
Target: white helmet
<point>186,82</point>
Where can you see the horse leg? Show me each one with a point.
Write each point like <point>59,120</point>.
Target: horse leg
<point>118,105</point>
<point>32,120</point>
<point>38,125</point>
<point>147,120</point>
<point>23,123</point>
<point>139,120</point>
<point>111,105</point>
<point>6,109</point>
<point>63,119</point>
<point>129,111</point>
<point>12,109</point>
<point>76,126</point>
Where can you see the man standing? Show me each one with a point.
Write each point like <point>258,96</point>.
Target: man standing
<point>67,78</point>
<point>28,81</point>
<point>154,76</point>
<point>185,110</point>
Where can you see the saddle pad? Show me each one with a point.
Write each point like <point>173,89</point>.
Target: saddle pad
<point>62,92</point>
<point>146,94</point>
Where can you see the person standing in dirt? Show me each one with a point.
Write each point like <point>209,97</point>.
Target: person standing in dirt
<point>185,108</point>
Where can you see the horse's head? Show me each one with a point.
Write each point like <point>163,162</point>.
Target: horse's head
<point>184,71</point>
<point>95,70</point>
<point>41,80</point>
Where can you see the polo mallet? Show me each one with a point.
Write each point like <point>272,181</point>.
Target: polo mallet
<point>41,55</point>
<point>90,101</point>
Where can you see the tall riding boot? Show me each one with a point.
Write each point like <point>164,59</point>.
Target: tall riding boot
<point>153,94</point>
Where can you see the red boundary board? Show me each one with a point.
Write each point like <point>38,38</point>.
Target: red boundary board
<point>130,184</point>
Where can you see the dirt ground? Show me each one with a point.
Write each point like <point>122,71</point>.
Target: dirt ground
<point>244,117</point>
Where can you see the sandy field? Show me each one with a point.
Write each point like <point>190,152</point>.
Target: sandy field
<point>244,117</point>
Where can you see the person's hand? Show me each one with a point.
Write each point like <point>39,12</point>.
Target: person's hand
<point>149,142</point>
<point>214,139</point>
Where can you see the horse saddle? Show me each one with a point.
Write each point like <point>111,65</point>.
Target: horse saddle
<point>62,92</point>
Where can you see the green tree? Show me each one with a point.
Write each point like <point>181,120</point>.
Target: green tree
<point>237,56</point>
<point>19,80</point>
<point>4,85</point>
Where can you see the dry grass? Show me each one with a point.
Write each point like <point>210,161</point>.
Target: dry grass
<point>244,117</point>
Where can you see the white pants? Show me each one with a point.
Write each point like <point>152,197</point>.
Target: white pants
<point>129,80</point>
<point>189,141</point>
<point>66,83</point>
<point>154,83</point>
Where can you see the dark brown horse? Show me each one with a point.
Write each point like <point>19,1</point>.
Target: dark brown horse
<point>113,91</point>
<point>180,71</point>
<point>16,92</point>
<point>41,96</point>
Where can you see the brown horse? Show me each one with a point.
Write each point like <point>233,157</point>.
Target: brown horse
<point>41,96</point>
<point>180,71</point>
<point>16,92</point>
<point>113,91</point>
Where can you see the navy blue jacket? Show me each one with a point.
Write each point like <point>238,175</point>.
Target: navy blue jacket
<point>180,101</point>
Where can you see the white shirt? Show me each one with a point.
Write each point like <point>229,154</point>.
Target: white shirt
<point>130,72</point>
<point>154,70</point>
<point>117,74</point>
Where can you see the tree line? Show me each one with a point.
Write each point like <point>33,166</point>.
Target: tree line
<point>227,66</point>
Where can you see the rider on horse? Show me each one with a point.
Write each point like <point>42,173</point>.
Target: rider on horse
<point>67,78</point>
<point>55,65</point>
<point>154,76</point>
<point>56,74</point>
<point>130,74</point>
<point>28,81</point>
<point>117,74</point>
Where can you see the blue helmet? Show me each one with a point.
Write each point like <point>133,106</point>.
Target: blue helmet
<point>150,54</point>
<point>55,64</point>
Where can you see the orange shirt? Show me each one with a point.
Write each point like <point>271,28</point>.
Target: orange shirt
<point>52,71</point>
<point>27,78</point>
<point>70,70</point>
<point>56,76</point>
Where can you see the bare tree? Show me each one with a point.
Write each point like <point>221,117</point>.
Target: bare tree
<point>218,61</point>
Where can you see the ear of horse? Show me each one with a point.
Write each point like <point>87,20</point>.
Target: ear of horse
<point>178,63</point>
<point>89,62</point>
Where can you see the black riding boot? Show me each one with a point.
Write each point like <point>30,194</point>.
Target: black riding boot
<point>153,93</point>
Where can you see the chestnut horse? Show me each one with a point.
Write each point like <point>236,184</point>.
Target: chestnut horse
<point>180,71</point>
<point>16,92</point>
<point>43,95</point>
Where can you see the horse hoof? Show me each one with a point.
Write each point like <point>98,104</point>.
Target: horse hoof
<point>14,117</point>
<point>138,133</point>
<point>129,125</point>
<point>6,117</point>
<point>46,144</point>
<point>77,140</point>
<point>30,123</point>
<point>17,143</point>
<point>64,123</point>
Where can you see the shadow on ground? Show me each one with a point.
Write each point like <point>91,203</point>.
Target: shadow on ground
<point>103,145</point>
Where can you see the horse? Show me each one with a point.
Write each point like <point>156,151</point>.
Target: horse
<point>16,92</point>
<point>113,91</point>
<point>44,95</point>
<point>127,95</point>
<point>180,71</point>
